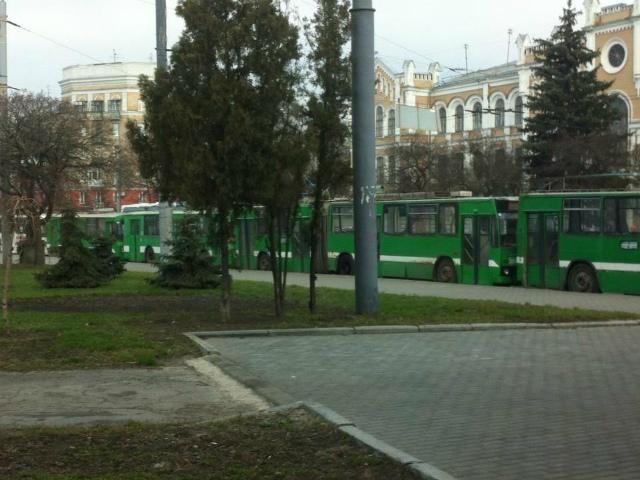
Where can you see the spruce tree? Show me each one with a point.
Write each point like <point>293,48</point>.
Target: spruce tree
<point>79,266</point>
<point>569,132</point>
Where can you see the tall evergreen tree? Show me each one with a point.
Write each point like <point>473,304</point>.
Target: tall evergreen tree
<point>571,112</point>
<point>328,108</point>
<point>210,117</point>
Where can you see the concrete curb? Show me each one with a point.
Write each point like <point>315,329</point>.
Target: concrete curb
<point>423,469</point>
<point>200,337</point>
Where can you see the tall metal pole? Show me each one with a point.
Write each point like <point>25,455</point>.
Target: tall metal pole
<point>5,225</point>
<point>161,55</point>
<point>364,152</point>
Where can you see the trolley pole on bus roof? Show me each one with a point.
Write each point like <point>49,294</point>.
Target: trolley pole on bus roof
<point>165,213</point>
<point>364,150</point>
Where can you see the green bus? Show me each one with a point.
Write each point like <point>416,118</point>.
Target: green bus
<point>455,239</point>
<point>251,241</point>
<point>583,242</point>
<point>94,225</point>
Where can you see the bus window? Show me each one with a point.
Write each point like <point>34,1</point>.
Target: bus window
<point>507,227</point>
<point>395,219</point>
<point>448,219</point>
<point>610,216</point>
<point>629,214</point>
<point>116,231</point>
<point>423,219</point>
<point>342,219</point>
<point>582,215</point>
<point>152,225</point>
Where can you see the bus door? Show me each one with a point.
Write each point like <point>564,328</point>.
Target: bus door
<point>476,246</point>
<point>134,239</point>
<point>543,250</point>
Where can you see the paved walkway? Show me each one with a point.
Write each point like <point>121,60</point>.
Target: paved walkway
<point>519,295</point>
<point>527,405</point>
<point>87,397</point>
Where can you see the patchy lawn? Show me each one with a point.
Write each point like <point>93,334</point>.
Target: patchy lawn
<point>131,323</point>
<point>285,446</point>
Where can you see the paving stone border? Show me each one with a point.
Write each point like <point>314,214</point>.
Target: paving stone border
<point>198,337</point>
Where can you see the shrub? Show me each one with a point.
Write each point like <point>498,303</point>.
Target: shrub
<point>79,266</point>
<point>189,265</point>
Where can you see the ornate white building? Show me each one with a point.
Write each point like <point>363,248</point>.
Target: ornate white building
<point>491,103</point>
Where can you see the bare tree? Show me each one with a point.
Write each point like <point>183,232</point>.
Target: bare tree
<point>47,144</point>
<point>493,169</point>
<point>418,164</point>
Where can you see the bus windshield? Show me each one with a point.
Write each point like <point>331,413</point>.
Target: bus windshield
<point>507,227</point>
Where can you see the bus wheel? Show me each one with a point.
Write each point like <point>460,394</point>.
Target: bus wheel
<point>345,264</point>
<point>446,271</point>
<point>149,255</point>
<point>264,263</point>
<point>582,279</point>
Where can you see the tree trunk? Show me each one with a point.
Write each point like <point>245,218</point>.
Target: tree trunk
<point>225,297</point>
<point>316,227</point>
<point>7,256</point>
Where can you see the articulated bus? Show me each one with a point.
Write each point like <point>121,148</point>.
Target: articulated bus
<point>583,242</point>
<point>466,240</point>
<point>251,242</point>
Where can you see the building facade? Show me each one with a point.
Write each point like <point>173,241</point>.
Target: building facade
<point>109,92</point>
<point>491,104</point>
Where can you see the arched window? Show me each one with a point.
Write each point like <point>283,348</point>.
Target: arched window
<point>621,125</point>
<point>500,113</point>
<point>459,118</point>
<point>519,108</point>
<point>379,122</point>
<point>393,171</point>
<point>477,116</point>
<point>391,123</point>
<point>443,120</point>
<point>380,170</point>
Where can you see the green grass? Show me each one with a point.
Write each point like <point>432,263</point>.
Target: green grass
<point>130,322</point>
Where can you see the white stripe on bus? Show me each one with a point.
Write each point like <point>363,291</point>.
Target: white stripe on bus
<point>616,267</point>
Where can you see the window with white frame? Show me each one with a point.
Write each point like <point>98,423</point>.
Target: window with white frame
<point>443,120</point>
<point>99,199</point>
<point>499,111</point>
<point>477,116</point>
<point>459,118</point>
<point>379,122</point>
<point>391,123</point>
<point>82,198</point>
<point>519,112</point>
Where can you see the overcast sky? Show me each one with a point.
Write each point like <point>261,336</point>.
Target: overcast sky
<point>421,30</point>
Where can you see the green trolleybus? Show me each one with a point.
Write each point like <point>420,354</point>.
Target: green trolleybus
<point>583,242</point>
<point>464,239</point>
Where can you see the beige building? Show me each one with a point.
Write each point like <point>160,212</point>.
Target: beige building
<point>109,92</point>
<point>491,103</point>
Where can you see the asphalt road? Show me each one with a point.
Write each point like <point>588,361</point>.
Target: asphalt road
<point>527,405</point>
<point>518,295</point>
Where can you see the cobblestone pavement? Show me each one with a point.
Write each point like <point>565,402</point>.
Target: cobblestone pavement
<point>85,397</point>
<point>605,302</point>
<point>526,405</point>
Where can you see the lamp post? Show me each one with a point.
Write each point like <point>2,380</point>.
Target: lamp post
<point>364,152</point>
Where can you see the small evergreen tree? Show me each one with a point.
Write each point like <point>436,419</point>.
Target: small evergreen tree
<point>78,267</point>
<point>570,109</point>
<point>189,265</point>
